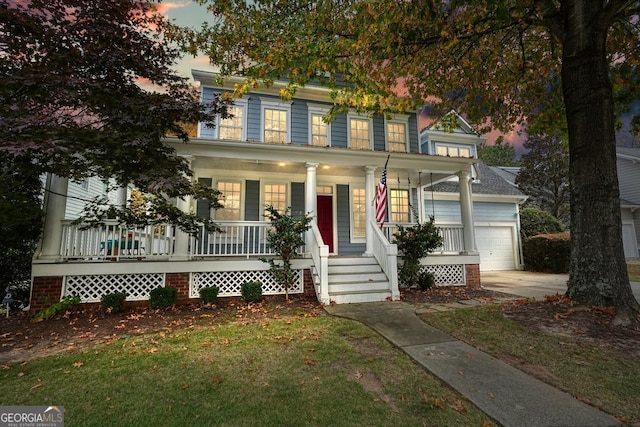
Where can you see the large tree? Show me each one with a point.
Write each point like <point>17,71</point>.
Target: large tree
<point>73,100</point>
<point>545,175</point>
<point>506,60</point>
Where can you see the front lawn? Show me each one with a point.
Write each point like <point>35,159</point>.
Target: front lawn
<point>293,370</point>
<point>601,368</point>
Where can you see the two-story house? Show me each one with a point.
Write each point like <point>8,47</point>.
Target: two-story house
<point>283,154</point>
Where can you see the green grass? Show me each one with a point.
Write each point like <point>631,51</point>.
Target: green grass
<point>291,371</point>
<point>598,375</point>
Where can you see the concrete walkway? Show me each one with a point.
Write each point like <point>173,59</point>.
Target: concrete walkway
<point>506,394</point>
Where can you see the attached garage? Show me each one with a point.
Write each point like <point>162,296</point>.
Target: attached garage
<point>497,248</point>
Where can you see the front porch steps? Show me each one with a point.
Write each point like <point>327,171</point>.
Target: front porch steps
<point>354,279</point>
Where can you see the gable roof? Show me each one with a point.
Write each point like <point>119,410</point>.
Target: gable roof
<point>631,153</point>
<point>489,182</point>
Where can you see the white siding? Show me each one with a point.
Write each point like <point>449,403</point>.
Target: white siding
<point>497,248</point>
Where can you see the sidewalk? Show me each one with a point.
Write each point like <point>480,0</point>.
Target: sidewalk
<point>506,394</point>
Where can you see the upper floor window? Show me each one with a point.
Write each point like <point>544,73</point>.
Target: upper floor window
<point>452,151</point>
<point>360,131</point>
<point>84,184</point>
<point>396,133</point>
<point>319,130</point>
<point>399,206</point>
<point>232,127</point>
<point>230,199</point>
<point>276,122</point>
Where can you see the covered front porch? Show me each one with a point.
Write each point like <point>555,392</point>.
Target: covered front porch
<point>347,257</point>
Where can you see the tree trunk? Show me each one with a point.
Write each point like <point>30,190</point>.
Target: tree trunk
<point>598,273</point>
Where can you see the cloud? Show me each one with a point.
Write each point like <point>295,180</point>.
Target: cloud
<point>165,7</point>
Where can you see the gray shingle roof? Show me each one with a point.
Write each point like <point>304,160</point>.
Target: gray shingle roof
<point>629,151</point>
<point>488,182</point>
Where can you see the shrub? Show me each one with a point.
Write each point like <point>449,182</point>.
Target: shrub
<point>535,221</point>
<point>209,294</point>
<point>251,291</point>
<point>548,253</point>
<point>54,309</point>
<point>163,297</point>
<point>113,303</point>
<point>414,243</point>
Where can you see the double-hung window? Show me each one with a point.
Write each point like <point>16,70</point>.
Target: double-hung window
<point>230,199</point>
<point>360,132</point>
<point>319,130</point>
<point>275,195</point>
<point>233,127</point>
<point>396,133</point>
<point>276,122</point>
<point>399,206</point>
<point>358,214</point>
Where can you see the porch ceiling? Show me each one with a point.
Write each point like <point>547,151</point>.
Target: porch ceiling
<point>290,158</point>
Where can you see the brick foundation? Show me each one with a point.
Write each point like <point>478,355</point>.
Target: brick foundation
<point>45,292</point>
<point>308,289</point>
<point>473,275</point>
<point>180,281</point>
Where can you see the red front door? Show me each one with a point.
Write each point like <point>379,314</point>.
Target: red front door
<point>325,219</point>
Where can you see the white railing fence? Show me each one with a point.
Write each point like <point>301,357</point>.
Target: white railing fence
<point>452,237</point>
<point>112,240</point>
<point>320,255</point>
<point>387,256</point>
<point>236,238</point>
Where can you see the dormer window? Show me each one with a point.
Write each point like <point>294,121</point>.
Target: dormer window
<point>452,150</point>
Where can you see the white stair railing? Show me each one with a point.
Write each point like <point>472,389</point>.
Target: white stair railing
<point>320,255</point>
<point>387,256</point>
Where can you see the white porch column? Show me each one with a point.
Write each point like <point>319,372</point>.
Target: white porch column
<point>310,196</point>
<point>370,214</point>
<point>181,244</point>
<point>466,210</point>
<point>55,206</point>
<point>121,197</point>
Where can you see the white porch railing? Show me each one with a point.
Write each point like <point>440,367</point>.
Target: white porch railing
<point>236,238</point>
<point>113,241</point>
<point>452,237</point>
<point>320,255</point>
<point>387,256</point>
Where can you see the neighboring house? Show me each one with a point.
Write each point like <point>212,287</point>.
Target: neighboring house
<point>282,154</point>
<point>628,160</point>
<point>496,200</point>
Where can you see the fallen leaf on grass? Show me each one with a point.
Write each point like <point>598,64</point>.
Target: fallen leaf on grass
<point>78,364</point>
<point>458,407</point>
<point>437,403</point>
<point>38,385</point>
<point>564,315</point>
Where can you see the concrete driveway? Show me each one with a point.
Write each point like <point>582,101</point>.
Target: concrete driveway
<point>530,284</point>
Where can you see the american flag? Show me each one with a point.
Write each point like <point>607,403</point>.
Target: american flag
<point>381,196</point>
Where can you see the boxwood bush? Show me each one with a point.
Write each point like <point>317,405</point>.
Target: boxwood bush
<point>251,291</point>
<point>163,297</point>
<point>209,294</point>
<point>548,252</point>
<point>113,303</point>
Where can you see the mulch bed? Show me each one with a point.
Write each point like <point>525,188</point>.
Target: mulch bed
<point>22,339</point>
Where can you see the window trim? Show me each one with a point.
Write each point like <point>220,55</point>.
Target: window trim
<point>242,195</point>
<point>244,105</point>
<point>407,191</point>
<point>263,184</point>
<point>314,109</point>
<point>352,237</point>
<point>402,119</point>
<point>356,116</point>
<point>270,104</point>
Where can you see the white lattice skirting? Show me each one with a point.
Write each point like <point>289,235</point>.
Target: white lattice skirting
<point>447,275</point>
<point>229,282</point>
<point>93,288</point>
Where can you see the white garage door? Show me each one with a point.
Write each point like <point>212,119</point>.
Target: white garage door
<point>495,245</point>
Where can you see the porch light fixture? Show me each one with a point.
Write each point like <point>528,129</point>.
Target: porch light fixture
<point>282,164</point>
